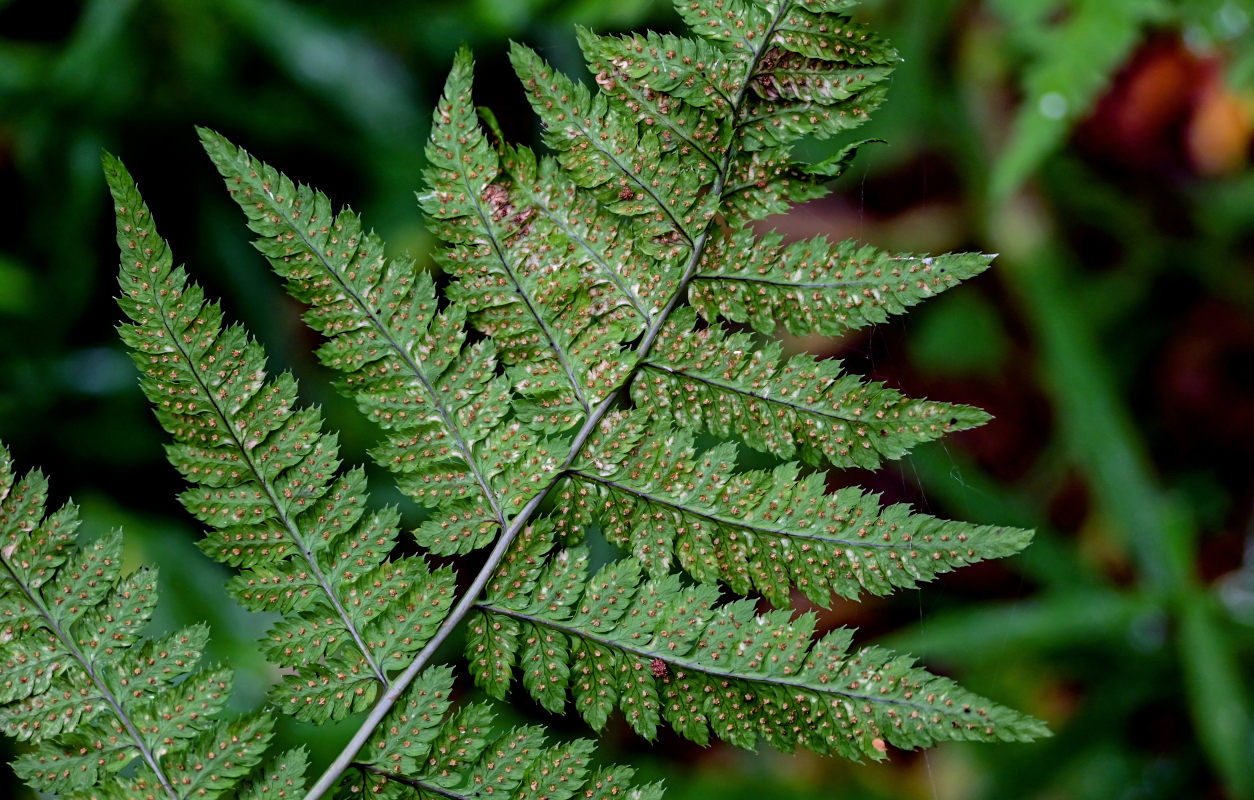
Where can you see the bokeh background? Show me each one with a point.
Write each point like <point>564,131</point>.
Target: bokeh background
<point>1102,147</point>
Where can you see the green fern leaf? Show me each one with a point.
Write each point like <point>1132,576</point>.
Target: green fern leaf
<point>814,287</point>
<point>664,652</point>
<point>819,34</point>
<point>202,696</point>
<point>217,759</point>
<point>698,72</point>
<point>550,390</point>
<point>793,77</point>
<point>159,661</point>
<point>81,685</point>
<point>634,171</point>
<point>599,243</point>
<point>546,324</point>
<point>800,406</point>
<point>406,364</point>
<point>282,778</point>
<point>264,479</point>
<point>767,182</point>
<point>654,495</point>
<point>423,750</point>
<point>740,23</point>
<point>798,72</point>
<point>327,572</point>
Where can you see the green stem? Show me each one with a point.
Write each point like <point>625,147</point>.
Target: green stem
<point>1153,526</point>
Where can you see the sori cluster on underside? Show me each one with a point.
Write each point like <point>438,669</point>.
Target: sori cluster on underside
<point>596,311</point>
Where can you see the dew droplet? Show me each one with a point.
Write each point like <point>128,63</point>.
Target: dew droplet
<point>1052,105</point>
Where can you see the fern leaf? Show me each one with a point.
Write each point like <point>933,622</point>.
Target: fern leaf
<point>81,684</point>
<point>815,32</point>
<point>746,92</point>
<point>767,182</point>
<point>662,652</point>
<point>698,72</point>
<point>655,495</point>
<point>424,750</point>
<point>217,759</point>
<point>814,287</point>
<point>630,167</point>
<point>598,243</point>
<point>284,777</point>
<point>553,387</point>
<point>265,481</point>
<point>550,325</point>
<point>800,406</point>
<point>406,364</point>
<point>742,24</point>
<point>794,77</point>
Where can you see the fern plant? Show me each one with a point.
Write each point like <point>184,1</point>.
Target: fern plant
<point>599,314</point>
<point>110,712</point>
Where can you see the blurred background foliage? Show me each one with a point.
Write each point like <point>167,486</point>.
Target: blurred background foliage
<point>1101,147</point>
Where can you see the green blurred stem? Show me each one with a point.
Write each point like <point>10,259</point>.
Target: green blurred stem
<point>1216,695</point>
<point>1153,527</point>
<point>1096,426</point>
<point>1057,620</point>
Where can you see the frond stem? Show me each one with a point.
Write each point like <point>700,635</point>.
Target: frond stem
<point>729,387</point>
<point>720,183</point>
<point>459,612</point>
<point>748,526</point>
<point>792,284</point>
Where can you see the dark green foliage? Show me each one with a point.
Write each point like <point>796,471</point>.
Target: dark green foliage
<point>546,388</point>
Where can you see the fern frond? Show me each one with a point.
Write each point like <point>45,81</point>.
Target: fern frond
<point>560,326</point>
<point>667,653</point>
<point>265,480</point>
<point>555,386</point>
<point>635,68</point>
<point>597,243</point>
<point>217,758</point>
<point>635,172</point>
<point>83,686</point>
<point>654,495</point>
<point>800,406</point>
<point>424,750</point>
<point>406,363</point>
<point>740,102</point>
<point>282,777</point>
<point>815,287</point>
